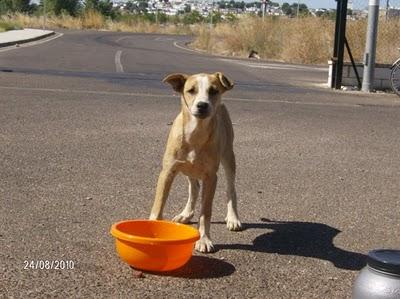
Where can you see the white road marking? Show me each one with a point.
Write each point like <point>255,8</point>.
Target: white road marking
<point>275,66</point>
<point>187,49</point>
<point>121,38</point>
<point>30,44</point>
<point>163,39</point>
<point>150,95</point>
<point>118,65</point>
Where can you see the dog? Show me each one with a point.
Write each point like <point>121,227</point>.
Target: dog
<point>201,138</point>
<point>254,54</point>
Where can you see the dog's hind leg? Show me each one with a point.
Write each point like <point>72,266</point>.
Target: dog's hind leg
<point>164,183</point>
<point>232,219</point>
<point>186,215</point>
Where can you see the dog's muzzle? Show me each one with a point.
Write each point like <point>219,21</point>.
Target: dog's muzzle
<point>202,110</point>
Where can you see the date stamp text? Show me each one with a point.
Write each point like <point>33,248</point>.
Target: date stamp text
<point>49,265</point>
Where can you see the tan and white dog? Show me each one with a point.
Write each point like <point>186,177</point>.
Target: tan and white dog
<point>200,139</point>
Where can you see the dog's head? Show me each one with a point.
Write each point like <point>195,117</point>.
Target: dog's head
<point>201,92</point>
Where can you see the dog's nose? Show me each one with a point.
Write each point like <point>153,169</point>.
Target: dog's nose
<point>202,106</point>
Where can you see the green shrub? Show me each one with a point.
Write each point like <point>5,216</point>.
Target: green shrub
<point>6,25</point>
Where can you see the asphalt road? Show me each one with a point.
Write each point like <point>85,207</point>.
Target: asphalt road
<point>83,125</point>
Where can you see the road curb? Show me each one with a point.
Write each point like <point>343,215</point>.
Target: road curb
<point>27,40</point>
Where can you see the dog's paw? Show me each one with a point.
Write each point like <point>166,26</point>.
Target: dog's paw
<point>155,217</point>
<point>233,224</point>
<point>183,217</point>
<point>205,245</point>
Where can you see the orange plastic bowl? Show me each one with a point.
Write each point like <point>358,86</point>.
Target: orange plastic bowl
<point>154,245</point>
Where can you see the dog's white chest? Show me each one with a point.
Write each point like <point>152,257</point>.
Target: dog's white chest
<point>190,128</point>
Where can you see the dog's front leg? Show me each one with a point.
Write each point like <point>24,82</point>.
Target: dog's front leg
<point>188,211</point>
<point>164,183</point>
<point>232,218</point>
<point>208,191</point>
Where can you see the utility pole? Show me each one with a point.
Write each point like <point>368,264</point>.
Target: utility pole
<point>370,47</point>
<point>387,10</point>
<point>211,15</point>
<point>263,7</point>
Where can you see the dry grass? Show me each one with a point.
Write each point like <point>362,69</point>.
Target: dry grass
<point>63,21</point>
<point>294,40</point>
<point>94,20</point>
<point>304,40</point>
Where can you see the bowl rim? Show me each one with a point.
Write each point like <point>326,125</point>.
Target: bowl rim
<point>153,241</point>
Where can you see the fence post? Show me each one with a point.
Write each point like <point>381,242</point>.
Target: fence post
<point>370,46</point>
<point>338,52</point>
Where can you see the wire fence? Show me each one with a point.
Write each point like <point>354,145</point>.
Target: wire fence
<point>388,30</point>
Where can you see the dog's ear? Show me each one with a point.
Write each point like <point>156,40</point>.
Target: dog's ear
<point>225,82</point>
<point>177,81</point>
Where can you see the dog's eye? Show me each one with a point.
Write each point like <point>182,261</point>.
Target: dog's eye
<point>192,90</point>
<point>213,91</point>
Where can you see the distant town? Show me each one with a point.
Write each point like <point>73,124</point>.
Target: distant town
<point>225,8</point>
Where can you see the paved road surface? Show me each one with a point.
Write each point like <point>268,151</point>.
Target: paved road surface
<point>83,124</point>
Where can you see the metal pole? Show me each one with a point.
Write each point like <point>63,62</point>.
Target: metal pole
<point>353,63</point>
<point>44,14</point>
<point>298,7</point>
<point>335,47</point>
<point>370,46</point>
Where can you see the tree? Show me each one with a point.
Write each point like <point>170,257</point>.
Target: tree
<point>303,9</point>
<point>5,6</point>
<point>291,9</point>
<point>239,5</point>
<point>192,18</point>
<point>14,6</point>
<point>105,7</point>
<point>57,7</point>
<point>143,5</point>
<point>286,9</point>
<point>328,14</point>
<point>188,8</point>
<point>131,7</point>
<point>21,5</point>
<point>92,5</point>
<point>216,17</point>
